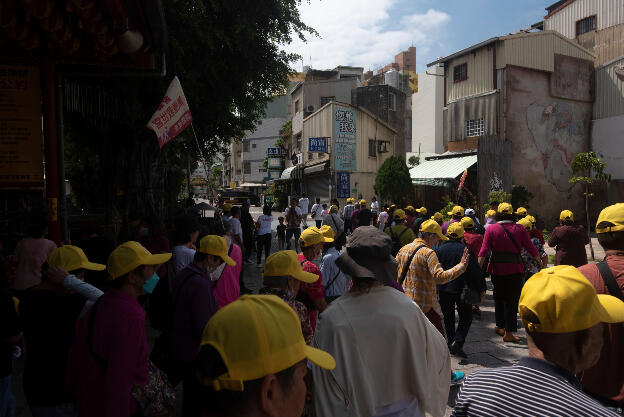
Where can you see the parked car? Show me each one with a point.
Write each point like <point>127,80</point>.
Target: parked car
<point>239,197</point>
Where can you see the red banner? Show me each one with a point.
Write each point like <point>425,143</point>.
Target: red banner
<point>172,116</point>
<point>463,178</point>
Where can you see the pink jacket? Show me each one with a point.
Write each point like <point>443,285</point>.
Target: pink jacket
<point>228,287</point>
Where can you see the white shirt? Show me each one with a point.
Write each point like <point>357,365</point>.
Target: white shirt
<point>330,271</point>
<point>334,221</point>
<point>323,213</point>
<point>182,257</point>
<point>265,224</point>
<point>383,217</point>
<point>236,227</point>
<point>375,206</point>
<point>356,329</point>
<point>316,211</point>
<point>304,203</point>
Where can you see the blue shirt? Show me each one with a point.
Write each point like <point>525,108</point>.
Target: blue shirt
<point>531,388</point>
<point>330,271</point>
<point>449,254</point>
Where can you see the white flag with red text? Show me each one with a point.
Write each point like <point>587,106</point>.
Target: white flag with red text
<point>172,116</point>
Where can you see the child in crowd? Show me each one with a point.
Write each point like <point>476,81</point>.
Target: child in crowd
<point>324,212</point>
<point>281,232</point>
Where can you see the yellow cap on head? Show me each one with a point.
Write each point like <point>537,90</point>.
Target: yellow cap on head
<point>437,216</point>
<point>256,336</point>
<point>422,211</point>
<point>490,213</point>
<point>398,214</point>
<point>362,202</point>
<point>455,230</point>
<point>526,223</point>
<point>505,208</point>
<point>312,236</point>
<point>563,301</point>
<point>227,207</point>
<point>333,209</point>
<point>285,263</point>
<point>327,232</point>
<point>611,219</point>
<point>522,211</point>
<point>467,223</point>
<point>457,211</point>
<point>131,255</point>
<point>71,258</point>
<point>409,209</point>
<point>431,226</point>
<point>217,246</point>
<point>566,215</point>
<point>531,219</point>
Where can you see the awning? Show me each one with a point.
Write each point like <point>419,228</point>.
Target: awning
<point>439,172</point>
<point>287,173</point>
<point>251,184</point>
<point>315,168</point>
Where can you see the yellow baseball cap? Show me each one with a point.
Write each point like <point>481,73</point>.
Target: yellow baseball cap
<point>531,219</point>
<point>327,231</point>
<point>398,214</point>
<point>333,209</point>
<point>350,200</point>
<point>455,230</point>
<point>522,211</point>
<point>611,219</point>
<point>362,202</point>
<point>409,208</point>
<point>564,301</point>
<point>526,223</point>
<point>490,213</point>
<point>431,226</point>
<point>217,246</point>
<point>422,210</point>
<point>130,255</point>
<point>393,206</point>
<point>566,215</point>
<point>505,208</point>
<point>70,258</point>
<point>285,263</point>
<point>227,207</point>
<point>457,211</point>
<point>312,236</point>
<point>467,223</point>
<point>437,216</point>
<point>257,335</point>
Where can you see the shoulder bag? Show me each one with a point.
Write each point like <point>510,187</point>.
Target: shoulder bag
<point>408,263</point>
<point>609,280</point>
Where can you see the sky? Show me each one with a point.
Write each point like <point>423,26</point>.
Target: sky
<point>369,33</point>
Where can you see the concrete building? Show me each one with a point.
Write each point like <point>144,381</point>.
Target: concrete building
<point>358,143</point>
<point>534,90</point>
<point>427,110</point>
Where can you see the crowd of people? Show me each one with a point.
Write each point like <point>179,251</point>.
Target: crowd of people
<point>358,320</point>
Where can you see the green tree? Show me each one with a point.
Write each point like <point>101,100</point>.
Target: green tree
<point>588,169</point>
<point>393,180</point>
<point>413,161</point>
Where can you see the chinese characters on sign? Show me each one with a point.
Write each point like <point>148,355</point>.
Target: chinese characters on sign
<point>343,184</point>
<point>317,145</point>
<point>172,116</point>
<point>21,147</point>
<point>274,151</point>
<point>345,139</point>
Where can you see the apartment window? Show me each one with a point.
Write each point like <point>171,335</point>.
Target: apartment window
<point>325,100</point>
<point>391,101</point>
<point>298,138</point>
<point>247,167</point>
<point>296,106</point>
<point>262,170</point>
<point>475,127</point>
<point>372,149</point>
<point>245,146</point>
<point>310,156</point>
<point>460,72</point>
<point>253,146</point>
<point>585,25</point>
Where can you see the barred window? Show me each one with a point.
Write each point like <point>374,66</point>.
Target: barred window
<point>475,127</point>
<point>460,72</point>
<point>585,25</point>
<point>247,167</point>
<point>372,148</point>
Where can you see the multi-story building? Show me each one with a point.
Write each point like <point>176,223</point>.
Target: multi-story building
<point>427,110</point>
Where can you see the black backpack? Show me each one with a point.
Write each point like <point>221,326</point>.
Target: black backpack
<point>396,241</point>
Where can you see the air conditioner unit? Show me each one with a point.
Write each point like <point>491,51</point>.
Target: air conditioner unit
<point>310,108</point>
<point>382,147</point>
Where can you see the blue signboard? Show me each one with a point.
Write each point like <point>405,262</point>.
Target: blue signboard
<point>343,184</point>
<point>274,151</point>
<point>345,139</point>
<point>317,145</point>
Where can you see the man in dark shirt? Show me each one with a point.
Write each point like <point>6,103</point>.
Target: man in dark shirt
<point>365,215</point>
<point>10,335</point>
<point>449,255</point>
<point>569,240</point>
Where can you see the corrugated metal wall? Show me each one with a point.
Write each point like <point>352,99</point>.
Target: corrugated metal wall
<point>608,13</point>
<point>536,50</point>
<point>480,65</point>
<point>609,92</point>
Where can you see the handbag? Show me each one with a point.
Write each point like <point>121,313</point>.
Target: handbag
<point>157,397</point>
<point>469,296</point>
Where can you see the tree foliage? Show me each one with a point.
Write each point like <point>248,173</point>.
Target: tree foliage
<point>413,161</point>
<point>520,196</point>
<point>393,181</point>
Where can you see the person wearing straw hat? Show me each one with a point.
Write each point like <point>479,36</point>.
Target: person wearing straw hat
<point>110,354</point>
<point>392,360</point>
<point>48,315</point>
<point>504,241</point>
<point>253,360</point>
<point>569,241</point>
<point>193,294</point>
<point>283,277</point>
<point>605,380</point>
<point>563,317</point>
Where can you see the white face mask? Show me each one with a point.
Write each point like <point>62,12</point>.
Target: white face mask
<point>215,274</point>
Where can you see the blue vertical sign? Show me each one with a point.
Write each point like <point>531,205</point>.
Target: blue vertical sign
<point>345,139</point>
<point>343,184</point>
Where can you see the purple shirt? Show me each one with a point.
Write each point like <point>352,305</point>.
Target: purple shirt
<point>445,225</point>
<point>195,304</point>
<point>496,240</point>
<point>118,338</point>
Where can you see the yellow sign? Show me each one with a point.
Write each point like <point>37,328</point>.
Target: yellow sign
<point>21,146</point>
<point>233,184</point>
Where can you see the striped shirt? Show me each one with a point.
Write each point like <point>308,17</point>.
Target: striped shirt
<point>424,273</point>
<point>532,388</point>
<point>346,212</point>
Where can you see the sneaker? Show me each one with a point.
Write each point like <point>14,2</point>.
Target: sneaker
<point>457,377</point>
